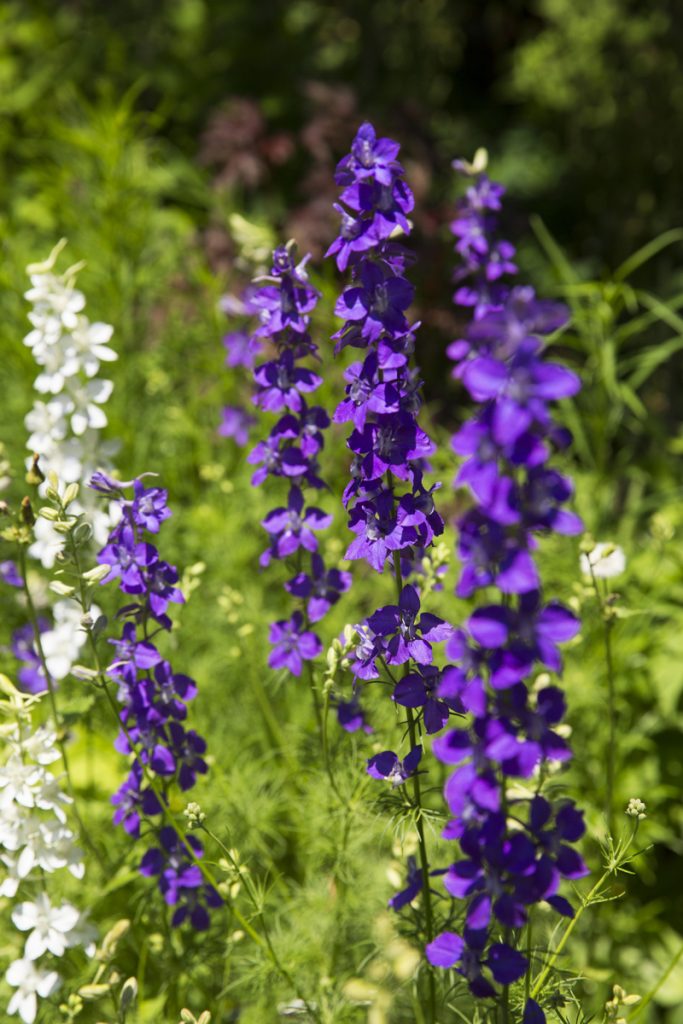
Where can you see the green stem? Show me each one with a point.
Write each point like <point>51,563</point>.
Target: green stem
<point>656,987</point>
<point>527,977</point>
<point>246,881</point>
<point>612,740</point>
<point>33,619</point>
<point>611,703</point>
<point>540,981</point>
<point>505,1005</point>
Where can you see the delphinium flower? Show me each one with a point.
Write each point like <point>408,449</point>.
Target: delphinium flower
<point>284,302</point>
<point>391,508</point>
<point>68,416</point>
<point>515,845</point>
<point>242,349</point>
<point>153,697</point>
<point>485,258</point>
<point>36,842</point>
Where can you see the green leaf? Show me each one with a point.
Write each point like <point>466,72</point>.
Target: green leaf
<point>553,251</point>
<point>646,252</point>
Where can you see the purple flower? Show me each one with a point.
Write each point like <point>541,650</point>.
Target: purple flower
<point>236,423</point>
<point>31,677</point>
<point>419,690</point>
<point>321,588</point>
<point>370,158</point>
<point>292,644</point>
<point>505,963</point>
<point>180,879</point>
<point>293,527</point>
<point>350,714</point>
<point>414,884</point>
<point>281,384</point>
<point>132,655</point>
<point>285,305</point>
<point>389,766</point>
<point>410,637</point>
<point>132,800</point>
<point>9,574</point>
<point>375,521</point>
<point>242,349</point>
<point>153,700</point>
<point>377,303</point>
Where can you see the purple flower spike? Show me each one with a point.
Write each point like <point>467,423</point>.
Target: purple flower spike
<point>510,731</point>
<point>153,701</point>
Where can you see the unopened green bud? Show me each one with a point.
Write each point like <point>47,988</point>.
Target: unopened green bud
<point>129,994</point>
<point>35,474</point>
<point>113,937</point>
<point>70,494</point>
<point>636,809</point>
<point>27,515</point>
<point>92,992</point>
<point>97,573</point>
<point>194,814</point>
<point>62,589</point>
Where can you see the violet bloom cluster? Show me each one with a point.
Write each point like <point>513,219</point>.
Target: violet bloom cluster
<point>242,349</point>
<point>391,510</point>
<point>284,302</point>
<point>485,257</point>
<point>514,850</point>
<point>153,699</point>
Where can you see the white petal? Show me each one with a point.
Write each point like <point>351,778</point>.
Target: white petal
<point>36,944</point>
<point>24,916</point>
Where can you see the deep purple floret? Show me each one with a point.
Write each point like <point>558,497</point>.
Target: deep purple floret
<point>292,644</point>
<point>236,423</point>
<point>389,766</point>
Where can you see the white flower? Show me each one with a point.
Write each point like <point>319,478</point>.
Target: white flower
<point>50,796</point>
<point>90,343</point>
<point>48,845</point>
<point>10,883</point>
<point>17,782</point>
<point>64,428</point>
<point>605,560</point>
<point>30,982</point>
<point>47,424</point>
<point>87,398</point>
<point>56,304</point>
<point>39,746</point>
<point>84,934</point>
<point>49,926</point>
<point>62,643</point>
